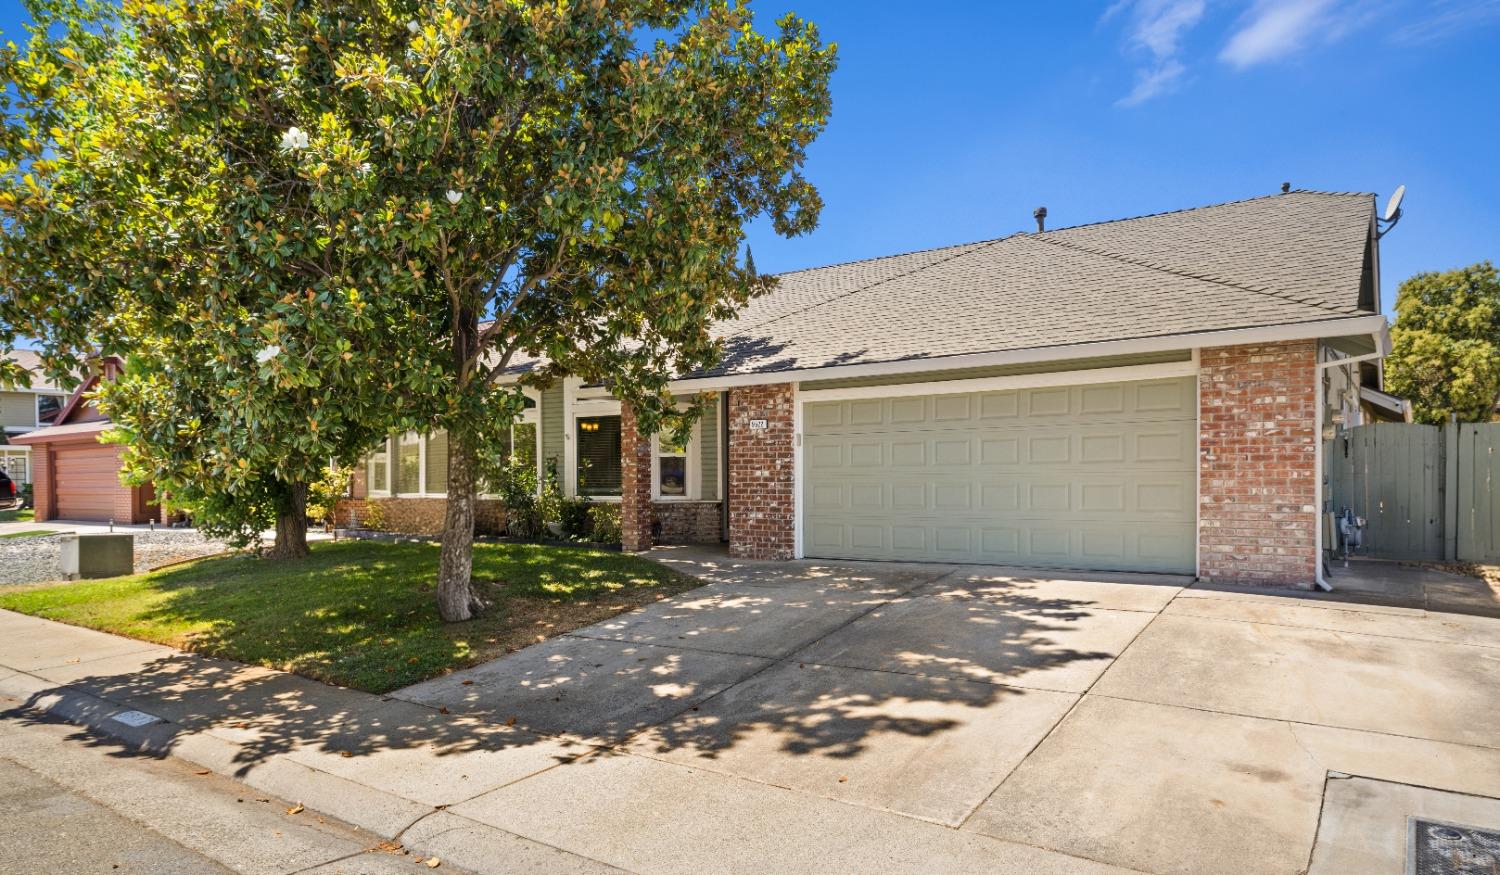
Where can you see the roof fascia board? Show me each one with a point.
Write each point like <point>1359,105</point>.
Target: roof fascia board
<point>1374,324</point>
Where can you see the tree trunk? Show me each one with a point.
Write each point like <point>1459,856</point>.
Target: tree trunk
<point>291,524</point>
<point>455,591</point>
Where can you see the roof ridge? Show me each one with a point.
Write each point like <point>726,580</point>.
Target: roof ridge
<point>1174,271</point>
<point>984,242</point>
<point>1236,202</point>
<point>874,258</point>
<point>971,248</point>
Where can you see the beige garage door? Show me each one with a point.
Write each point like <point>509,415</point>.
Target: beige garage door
<point>1096,476</point>
<point>87,482</point>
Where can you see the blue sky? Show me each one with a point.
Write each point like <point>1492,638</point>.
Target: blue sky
<point>953,120</point>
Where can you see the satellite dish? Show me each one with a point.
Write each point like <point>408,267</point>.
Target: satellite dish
<point>1392,211</point>
<point>1393,206</point>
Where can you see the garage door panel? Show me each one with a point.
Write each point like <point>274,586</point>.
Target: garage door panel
<point>1092,476</point>
<point>1153,445</point>
<point>86,482</point>
<point>1139,547</point>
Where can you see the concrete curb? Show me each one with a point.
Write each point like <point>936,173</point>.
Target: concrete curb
<point>383,814</point>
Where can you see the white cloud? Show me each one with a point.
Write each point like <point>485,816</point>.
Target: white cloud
<point>1156,28</point>
<point>1154,82</point>
<point>1274,29</point>
<point>1450,18</point>
<point>1159,25</point>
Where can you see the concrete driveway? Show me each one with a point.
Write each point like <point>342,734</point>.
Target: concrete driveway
<point>854,717</point>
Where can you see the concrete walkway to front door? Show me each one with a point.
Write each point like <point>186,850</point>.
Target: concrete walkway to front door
<point>860,717</point>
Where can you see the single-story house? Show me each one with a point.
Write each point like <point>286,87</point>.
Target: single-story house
<point>74,476</point>
<point>26,408</point>
<point>1149,394</point>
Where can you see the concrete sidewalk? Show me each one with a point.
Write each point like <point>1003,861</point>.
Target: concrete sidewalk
<point>807,717</point>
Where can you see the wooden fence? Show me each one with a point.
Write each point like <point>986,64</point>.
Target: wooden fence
<point>1426,492</point>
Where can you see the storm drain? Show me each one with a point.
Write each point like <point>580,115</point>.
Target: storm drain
<point>1438,848</point>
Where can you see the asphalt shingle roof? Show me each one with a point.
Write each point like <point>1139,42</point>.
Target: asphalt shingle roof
<point>1277,260</point>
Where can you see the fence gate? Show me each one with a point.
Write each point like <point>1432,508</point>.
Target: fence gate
<point>1426,492</point>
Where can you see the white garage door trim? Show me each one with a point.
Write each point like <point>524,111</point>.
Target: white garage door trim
<point>801,397</point>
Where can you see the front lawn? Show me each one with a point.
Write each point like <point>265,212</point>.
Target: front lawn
<point>357,613</point>
<point>21,515</point>
<point>36,533</point>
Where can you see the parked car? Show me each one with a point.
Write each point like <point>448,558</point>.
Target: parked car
<point>11,497</point>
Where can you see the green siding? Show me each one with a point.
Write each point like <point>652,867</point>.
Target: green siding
<point>18,408</point>
<point>708,446</point>
<point>1118,361</point>
<point>552,427</point>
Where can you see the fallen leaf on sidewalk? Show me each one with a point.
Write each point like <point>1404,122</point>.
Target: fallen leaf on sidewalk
<point>443,710</point>
<point>389,847</point>
<point>843,779</point>
<point>468,683</point>
<point>433,862</point>
<point>510,722</point>
<point>204,772</point>
<point>345,753</point>
<point>296,809</point>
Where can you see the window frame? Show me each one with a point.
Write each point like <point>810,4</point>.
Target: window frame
<point>596,402</point>
<point>529,416</point>
<point>384,456</point>
<point>692,456</point>
<point>36,403</point>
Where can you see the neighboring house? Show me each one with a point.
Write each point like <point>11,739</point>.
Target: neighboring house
<point>74,476</point>
<point>24,409</point>
<point>1138,395</point>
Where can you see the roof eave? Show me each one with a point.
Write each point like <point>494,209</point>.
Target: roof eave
<point>1372,324</point>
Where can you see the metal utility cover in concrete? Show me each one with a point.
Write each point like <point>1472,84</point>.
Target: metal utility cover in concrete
<point>1100,476</point>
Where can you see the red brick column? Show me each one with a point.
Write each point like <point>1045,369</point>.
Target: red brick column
<point>1258,433</point>
<point>42,472</point>
<point>635,484</point>
<point>761,473</point>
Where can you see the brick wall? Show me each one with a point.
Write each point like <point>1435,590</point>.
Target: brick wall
<point>418,516</point>
<point>635,484</point>
<point>1258,437</point>
<point>761,462</point>
<point>41,482</point>
<point>687,522</point>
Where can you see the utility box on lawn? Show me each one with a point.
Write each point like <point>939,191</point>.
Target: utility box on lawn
<point>85,556</point>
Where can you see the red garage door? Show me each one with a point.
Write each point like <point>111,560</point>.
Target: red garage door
<point>87,480</point>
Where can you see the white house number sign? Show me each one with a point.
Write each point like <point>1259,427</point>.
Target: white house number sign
<point>757,425</point>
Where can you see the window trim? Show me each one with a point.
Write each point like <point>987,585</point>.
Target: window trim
<point>531,416</point>
<point>574,407</point>
<point>36,406</point>
<point>370,490</point>
<point>692,454</point>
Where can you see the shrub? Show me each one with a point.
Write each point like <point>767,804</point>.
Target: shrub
<point>573,515</point>
<point>374,516</point>
<point>323,495</point>
<point>604,523</point>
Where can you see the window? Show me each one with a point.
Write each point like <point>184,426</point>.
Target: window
<point>409,464</point>
<point>437,464</point>
<point>47,408</point>
<point>380,470</point>
<point>598,455</point>
<point>523,442</point>
<point>671,468</point>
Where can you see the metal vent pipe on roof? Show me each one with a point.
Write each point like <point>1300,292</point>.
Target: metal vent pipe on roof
<point>1040,214</point>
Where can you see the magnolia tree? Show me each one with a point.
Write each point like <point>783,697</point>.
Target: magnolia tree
<point>462,185</point>
<point>152,206</point>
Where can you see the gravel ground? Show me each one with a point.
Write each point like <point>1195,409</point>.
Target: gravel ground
<point>34,559</point>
